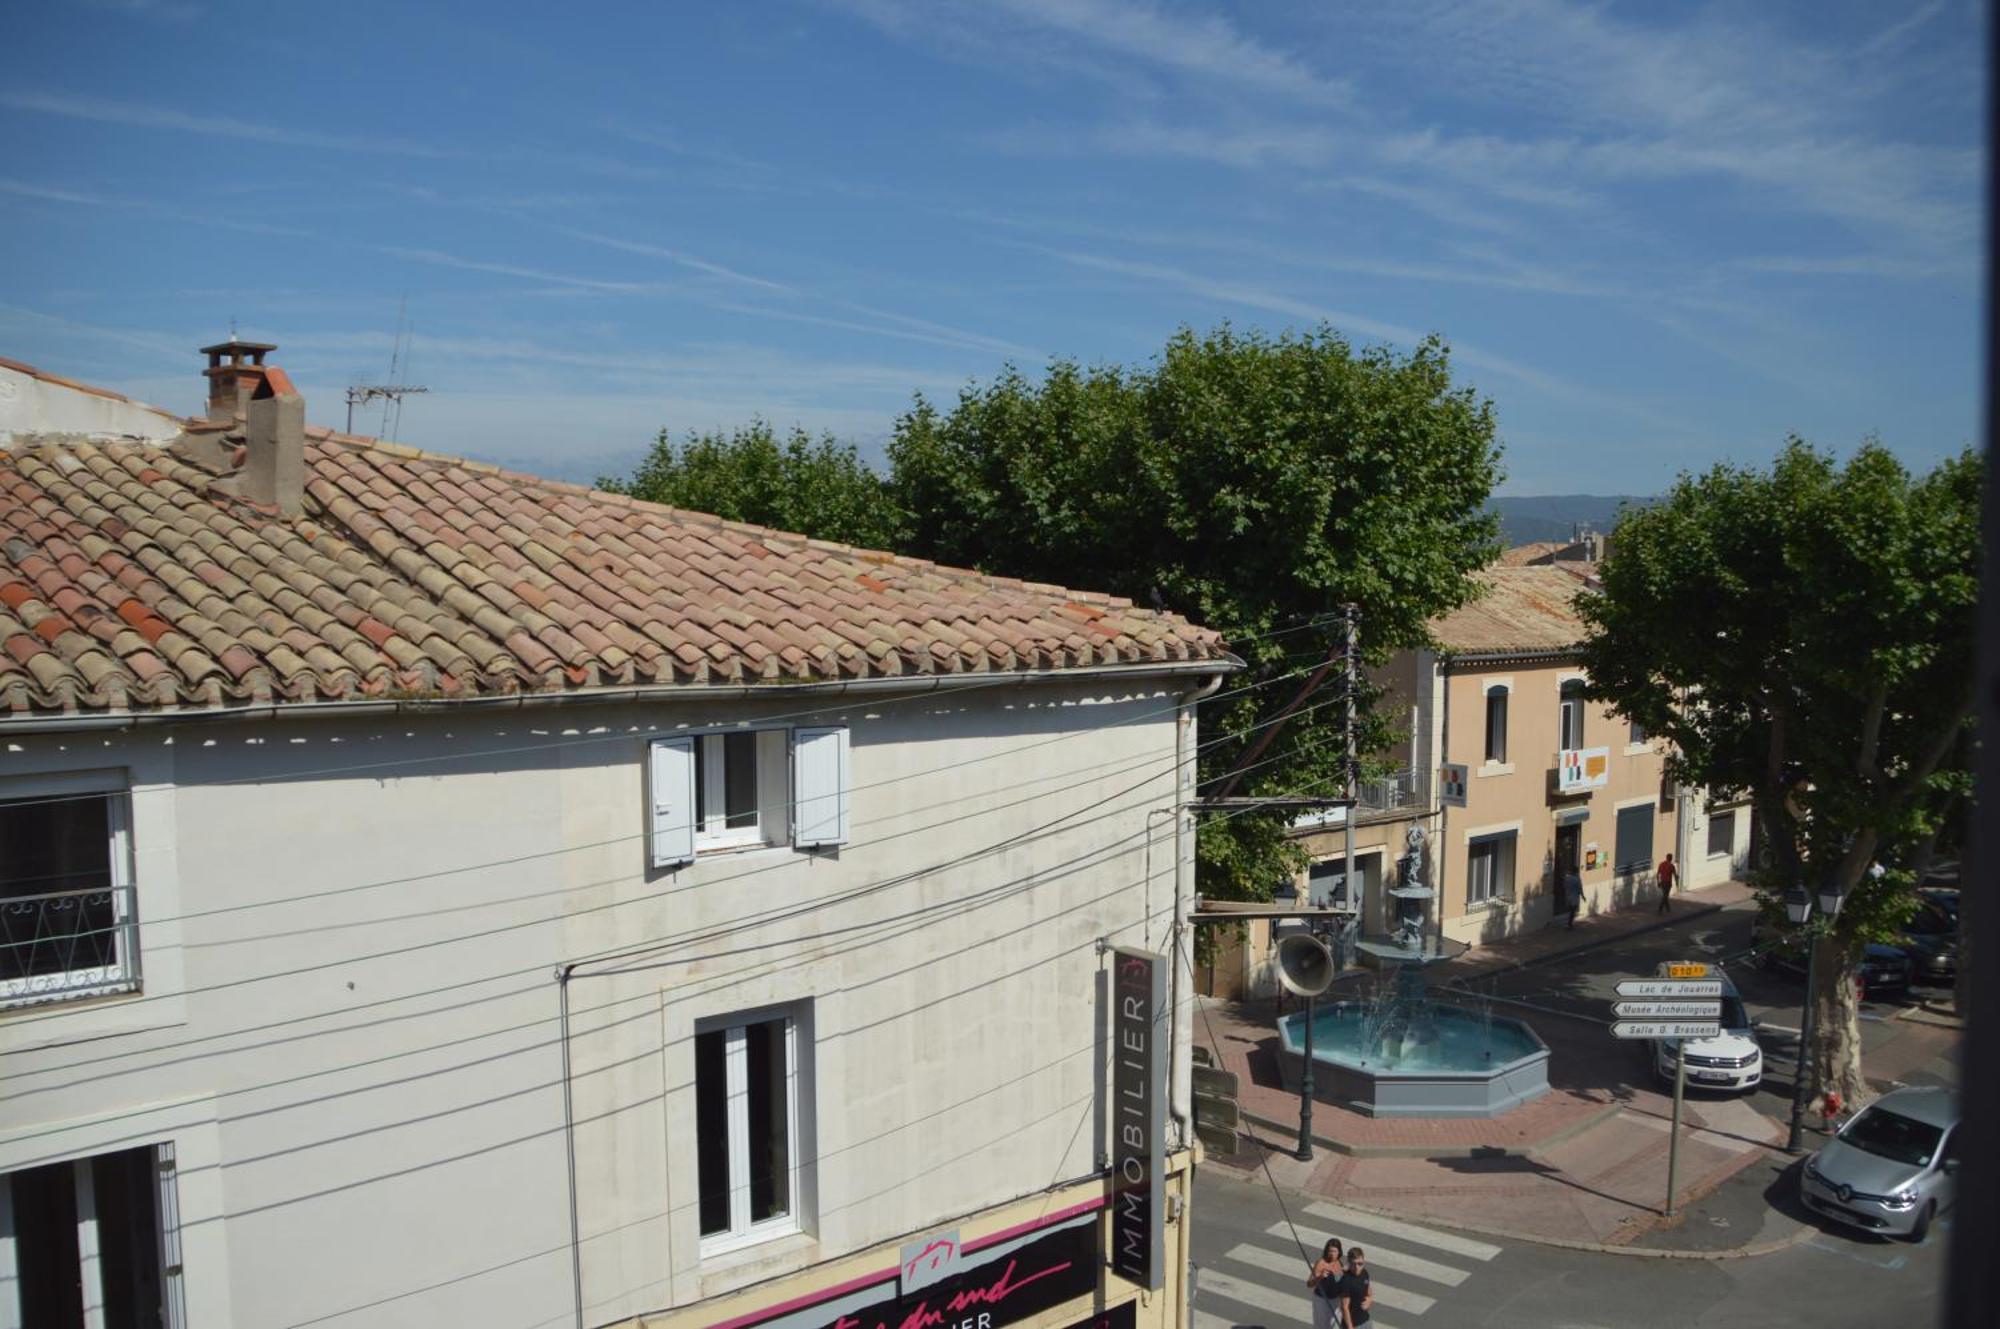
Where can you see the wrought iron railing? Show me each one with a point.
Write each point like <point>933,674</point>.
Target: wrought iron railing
<point>1391,793</point>
<point>68,944</point>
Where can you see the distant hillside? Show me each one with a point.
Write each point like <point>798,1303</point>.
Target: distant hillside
<point>1552,516</point>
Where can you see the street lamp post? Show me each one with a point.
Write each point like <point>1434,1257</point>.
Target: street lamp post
<point>1799,908</point>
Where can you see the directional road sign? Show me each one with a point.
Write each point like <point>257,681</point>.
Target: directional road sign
<point>1664,1029</point>
<point>1670,987</point>
<point>1668,1010</point>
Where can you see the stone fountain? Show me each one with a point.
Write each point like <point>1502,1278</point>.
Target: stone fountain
<point>1400,1053</point>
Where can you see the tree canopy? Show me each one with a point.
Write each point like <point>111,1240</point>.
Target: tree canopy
<point>1250,482</point>
<point>817,487</point>
<point>1803,635</point>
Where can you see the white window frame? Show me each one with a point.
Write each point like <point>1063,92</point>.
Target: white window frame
<point>712,830</point>
<point>741,1231</point>
<point>1714,819</point>
<point>1570,733</point>
<point>692,767</point>
<point>1505,872</point>
<point>97,980</point>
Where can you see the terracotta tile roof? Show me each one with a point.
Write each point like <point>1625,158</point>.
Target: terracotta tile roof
<point>1523,610</point>
<point>1535,551</point>
<point>127,581</point>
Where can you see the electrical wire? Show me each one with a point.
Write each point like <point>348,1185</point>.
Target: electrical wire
<point>58,1012</point>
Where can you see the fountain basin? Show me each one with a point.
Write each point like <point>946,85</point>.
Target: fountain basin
<point>1476,1067</point>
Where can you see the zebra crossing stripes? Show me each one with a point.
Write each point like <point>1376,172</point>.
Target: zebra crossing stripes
<point>1264,1278</point>
<point>1287,1266</point>
<point>1343,1217</point>
<point>1415,1266</point>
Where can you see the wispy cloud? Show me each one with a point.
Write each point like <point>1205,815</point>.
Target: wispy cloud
<point>1204,50</point>
<point>440,258</point>
<point>140,116</point>
<point>1207,47</point>
<point>682,258</point>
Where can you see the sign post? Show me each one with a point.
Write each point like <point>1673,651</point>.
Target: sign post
<point>1686,1004</point>
<point>1674,1133</point>
<point>1138,1130</point>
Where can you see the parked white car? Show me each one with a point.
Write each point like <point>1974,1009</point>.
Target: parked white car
<point>1733,1059</point>
<point>1893,1167</point>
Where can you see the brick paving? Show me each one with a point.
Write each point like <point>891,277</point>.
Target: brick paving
<point>1586,1163</point>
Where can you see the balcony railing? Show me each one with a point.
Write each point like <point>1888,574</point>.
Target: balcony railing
<point>1392,793</point>
<point>68,944</point>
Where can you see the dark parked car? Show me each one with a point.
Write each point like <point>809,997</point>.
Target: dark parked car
<point>1884,968</point>
<point>1931,938</point>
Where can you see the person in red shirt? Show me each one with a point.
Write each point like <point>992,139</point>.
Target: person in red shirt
<point>1669,876</point>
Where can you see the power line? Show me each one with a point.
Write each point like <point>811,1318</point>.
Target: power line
<point>1056,826</point>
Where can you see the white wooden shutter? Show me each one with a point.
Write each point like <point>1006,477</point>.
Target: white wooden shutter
<point>672,795</point>
<point>819,787</point>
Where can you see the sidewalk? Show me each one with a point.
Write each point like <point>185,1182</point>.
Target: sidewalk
<point>1585,1165</point>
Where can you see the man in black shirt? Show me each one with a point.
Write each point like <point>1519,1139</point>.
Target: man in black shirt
<point>1354,1288</point>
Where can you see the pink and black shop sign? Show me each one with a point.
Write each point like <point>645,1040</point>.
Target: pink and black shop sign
<point>988,1283</point>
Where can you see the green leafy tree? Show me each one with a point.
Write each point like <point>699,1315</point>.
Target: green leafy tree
<point>817,487</point>
<point>1252,483</point>
<point>1803,635</point>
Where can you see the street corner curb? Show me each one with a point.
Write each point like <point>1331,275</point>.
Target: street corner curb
<point>1750,1252</point>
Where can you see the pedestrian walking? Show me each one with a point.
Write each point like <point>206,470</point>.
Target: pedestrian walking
<point>1669,876</point>
<point>1356,1289</point>
<point>1572,892</point>
<point>1325,1285</point>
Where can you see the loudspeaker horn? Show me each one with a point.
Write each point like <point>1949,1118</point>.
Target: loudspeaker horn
<point>1305,965</point>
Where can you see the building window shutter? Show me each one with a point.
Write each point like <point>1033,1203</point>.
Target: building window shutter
<point>819,787</point>
<point>672,798</point>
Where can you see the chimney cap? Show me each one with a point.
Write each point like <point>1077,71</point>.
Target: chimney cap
<point>237,346</point>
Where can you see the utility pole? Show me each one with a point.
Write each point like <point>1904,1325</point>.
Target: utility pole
<point>1350,620</point>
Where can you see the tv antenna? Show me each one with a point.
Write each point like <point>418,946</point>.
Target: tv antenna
<point>390,394</point>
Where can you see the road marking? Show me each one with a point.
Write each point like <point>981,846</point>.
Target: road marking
<point>1344,1217</point>
<point>1416,1266</point>
<point>1284,1305</point>
<point>1821,1244</point>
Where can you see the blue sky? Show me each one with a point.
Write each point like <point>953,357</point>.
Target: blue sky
<point>1655,235</point>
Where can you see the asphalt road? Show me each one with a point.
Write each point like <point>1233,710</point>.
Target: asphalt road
<point>1585,984</point>
<point>1249,1273</point>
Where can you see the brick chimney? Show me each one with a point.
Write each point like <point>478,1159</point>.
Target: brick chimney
<point>235,367</point>
<point>274,439</point>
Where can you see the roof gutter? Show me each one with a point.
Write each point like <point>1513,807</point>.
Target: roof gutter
<point>1548,655</point>
<point>678,692</point>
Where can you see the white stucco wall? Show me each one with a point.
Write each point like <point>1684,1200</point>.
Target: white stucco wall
<point>30,404</point>
<point>350,1022</point>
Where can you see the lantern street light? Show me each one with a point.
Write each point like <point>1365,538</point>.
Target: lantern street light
<point>1799,908</point>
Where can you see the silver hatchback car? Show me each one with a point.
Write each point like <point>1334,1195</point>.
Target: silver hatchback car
<point>1892,1167</point>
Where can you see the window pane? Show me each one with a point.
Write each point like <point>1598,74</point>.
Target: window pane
<point>1496,725</point>
<point>770,1125</point>
<point>56,911</point>
<point>739,765</point>
<point>1635,839</point>
<point>1722,833</point>
<point>711,1129</point>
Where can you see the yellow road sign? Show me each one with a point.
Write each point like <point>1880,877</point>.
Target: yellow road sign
<point>1688,969</point>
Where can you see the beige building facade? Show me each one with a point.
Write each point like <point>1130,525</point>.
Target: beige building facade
<point>1552,781</point>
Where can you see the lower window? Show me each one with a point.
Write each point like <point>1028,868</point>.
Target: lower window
<point>95,1242</point>
<point>1721,834</point>
<point>1634,845</point>
<point>746,1129</point>
<point>1489,868</point>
